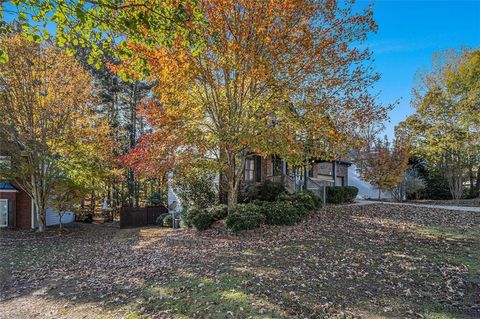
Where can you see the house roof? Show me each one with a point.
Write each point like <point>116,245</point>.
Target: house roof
<point>342,162</point>
<point>6,186</point>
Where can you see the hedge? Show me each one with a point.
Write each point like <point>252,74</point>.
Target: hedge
<point>341,194</point>
<point>282,213</point>
<point>200,218</point>
<point>245,216</point>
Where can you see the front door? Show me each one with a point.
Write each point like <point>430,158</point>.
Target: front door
<point>3,212</point>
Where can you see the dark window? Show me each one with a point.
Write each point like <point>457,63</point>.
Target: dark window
<point>310,169</point>
<point>249,170</point>
<point>277,166</point>
<point>258,169</point>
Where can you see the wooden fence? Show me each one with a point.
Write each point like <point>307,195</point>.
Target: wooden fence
<point>140,216</point>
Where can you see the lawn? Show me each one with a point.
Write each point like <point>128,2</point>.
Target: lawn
<point>374,261</point>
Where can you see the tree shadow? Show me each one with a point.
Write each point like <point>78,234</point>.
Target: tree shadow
<point>343,261</point>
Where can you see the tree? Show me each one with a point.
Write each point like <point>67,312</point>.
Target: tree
<point>273,78</point>
<point>65,197</point>
<point>49,126</point>
<point>410,185</point>
<point>102,24</point>
<point>382,164</point>
<point>118,100</point>
<point>446,126</point>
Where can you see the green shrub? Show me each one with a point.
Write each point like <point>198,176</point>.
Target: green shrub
<point>245,216</point>
<point>201,218</point>
<point>282,213</point>
<point>307,200</point>
<point>159,220</point>
<point>168,221</point>
<point>219,211</point>
<point>267,191</point>
<point>184,218</point>
<point>156,199</point>
<point>316,199</point>
<point>196,188</point>
<point>341,194</point>
<point>349,194</point>
<point>303,199</point>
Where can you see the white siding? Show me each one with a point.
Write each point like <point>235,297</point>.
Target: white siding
<point>53,217</point>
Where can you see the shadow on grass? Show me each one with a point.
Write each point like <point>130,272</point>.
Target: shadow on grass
<point>319,269</point>
<point>228,296</point>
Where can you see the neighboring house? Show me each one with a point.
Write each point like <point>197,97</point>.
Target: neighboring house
<point>16,209</point>
<point>321,173</point>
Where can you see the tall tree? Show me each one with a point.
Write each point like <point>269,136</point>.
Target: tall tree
<point>283,78</point>
<point>49,125</point>
<point>446,126</point>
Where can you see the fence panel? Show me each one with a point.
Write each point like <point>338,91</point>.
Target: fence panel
<point>140,216</point>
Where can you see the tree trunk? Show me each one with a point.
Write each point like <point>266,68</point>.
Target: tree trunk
<point>379,193</point>
<point>233,175</point>
<point>477,185</point>
<point>40,215</point>
<point>232,196</point>
<point>60,225</point>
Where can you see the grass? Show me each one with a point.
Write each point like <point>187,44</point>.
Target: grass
<point>355,261</point>
<point>467,246</point>
<point>226,296</point>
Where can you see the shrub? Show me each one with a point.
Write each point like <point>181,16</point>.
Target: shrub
<point>334,194</point>
<point>156,199</point>
<point>307,200</point>
<point>316,199</point>
<point>219,211</point>
<point>266,191</point>
<point>349,194</point>
<point>245,216</point>
<point>282,213</point>
<point>184,218</point>
<point>159,220</point>
<point>168,221</point>
<point>196,188</point>
<point>269,191</point>
<point>304,200</point>
<point>341,194</point>
<point>201,218</point>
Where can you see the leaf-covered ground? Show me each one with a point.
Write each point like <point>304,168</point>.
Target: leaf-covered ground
<point>373,261</point>
<point>473,202</point>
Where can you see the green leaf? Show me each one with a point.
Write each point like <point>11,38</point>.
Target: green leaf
<point>3,56</point>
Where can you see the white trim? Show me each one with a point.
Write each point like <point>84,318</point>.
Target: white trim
<point>8,191</point>
<point>33,214</point>
<point>5,200</point>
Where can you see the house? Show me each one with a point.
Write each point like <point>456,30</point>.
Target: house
<point>319,173</point>
<point>16,209</point>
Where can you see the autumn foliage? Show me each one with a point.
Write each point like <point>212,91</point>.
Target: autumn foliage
<point>273,77</point>
<point>49,124</point>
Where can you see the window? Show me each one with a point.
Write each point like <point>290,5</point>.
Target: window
<point>3,213</point>
<point>250,170</point>
<point>310,170</point>
<point>276,166</point>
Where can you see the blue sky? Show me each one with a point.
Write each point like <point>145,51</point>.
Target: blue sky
<point>409,33</point>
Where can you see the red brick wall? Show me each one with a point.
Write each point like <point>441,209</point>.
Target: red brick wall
<point>24,210</point>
